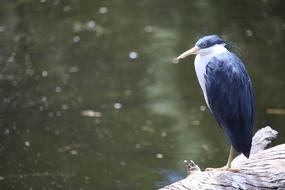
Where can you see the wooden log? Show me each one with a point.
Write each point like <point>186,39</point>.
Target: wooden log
<point>265,169</point>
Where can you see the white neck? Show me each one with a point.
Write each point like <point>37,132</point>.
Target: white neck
<point>201,61</point>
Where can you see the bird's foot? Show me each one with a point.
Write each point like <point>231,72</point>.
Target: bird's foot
<point>225,168</point>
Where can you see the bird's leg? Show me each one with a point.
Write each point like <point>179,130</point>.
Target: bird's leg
<point>228,167</point>
<point>230,158</point>
<point>229,162</point>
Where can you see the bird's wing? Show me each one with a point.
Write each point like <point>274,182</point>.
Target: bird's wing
<point>231,99</point>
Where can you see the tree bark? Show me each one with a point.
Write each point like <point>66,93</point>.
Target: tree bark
<point>265,169</point>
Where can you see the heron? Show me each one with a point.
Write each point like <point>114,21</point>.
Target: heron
<point>227,90</point>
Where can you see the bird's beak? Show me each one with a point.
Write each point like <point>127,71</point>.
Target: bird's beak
<point>191,51</point>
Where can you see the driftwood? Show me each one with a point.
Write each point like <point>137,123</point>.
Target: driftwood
<point>265,169</point>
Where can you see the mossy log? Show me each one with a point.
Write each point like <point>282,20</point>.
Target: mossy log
<point>265,169</point>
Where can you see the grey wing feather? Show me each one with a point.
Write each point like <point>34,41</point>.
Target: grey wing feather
<point>231,99</point>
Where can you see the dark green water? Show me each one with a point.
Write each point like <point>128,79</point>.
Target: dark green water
<point>59,59</point>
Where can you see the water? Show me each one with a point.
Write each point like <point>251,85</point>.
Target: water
<point>90,98</point>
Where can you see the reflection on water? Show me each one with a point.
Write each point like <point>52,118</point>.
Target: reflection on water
<point>90,98</point>
<point>164,96</point>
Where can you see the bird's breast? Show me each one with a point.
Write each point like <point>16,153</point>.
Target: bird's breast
<point>200,69</point>
<point>201,61</point>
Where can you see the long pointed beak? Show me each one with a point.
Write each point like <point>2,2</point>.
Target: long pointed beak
<point>191,51</point>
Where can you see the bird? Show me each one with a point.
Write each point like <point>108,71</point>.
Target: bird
<point>227,90</point>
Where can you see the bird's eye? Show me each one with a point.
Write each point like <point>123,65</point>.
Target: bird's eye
<point>203,45</point>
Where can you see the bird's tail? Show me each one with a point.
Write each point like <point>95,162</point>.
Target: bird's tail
<point>246,152</point>
<point>241,139</point>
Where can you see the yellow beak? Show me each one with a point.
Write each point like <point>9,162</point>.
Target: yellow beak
<point>191,51</point>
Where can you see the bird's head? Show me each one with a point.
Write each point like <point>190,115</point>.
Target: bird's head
<point>205,45</point>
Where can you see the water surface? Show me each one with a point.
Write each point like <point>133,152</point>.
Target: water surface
<point>90,97</point>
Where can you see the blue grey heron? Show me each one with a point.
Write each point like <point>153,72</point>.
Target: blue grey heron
<point>227,90</point>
